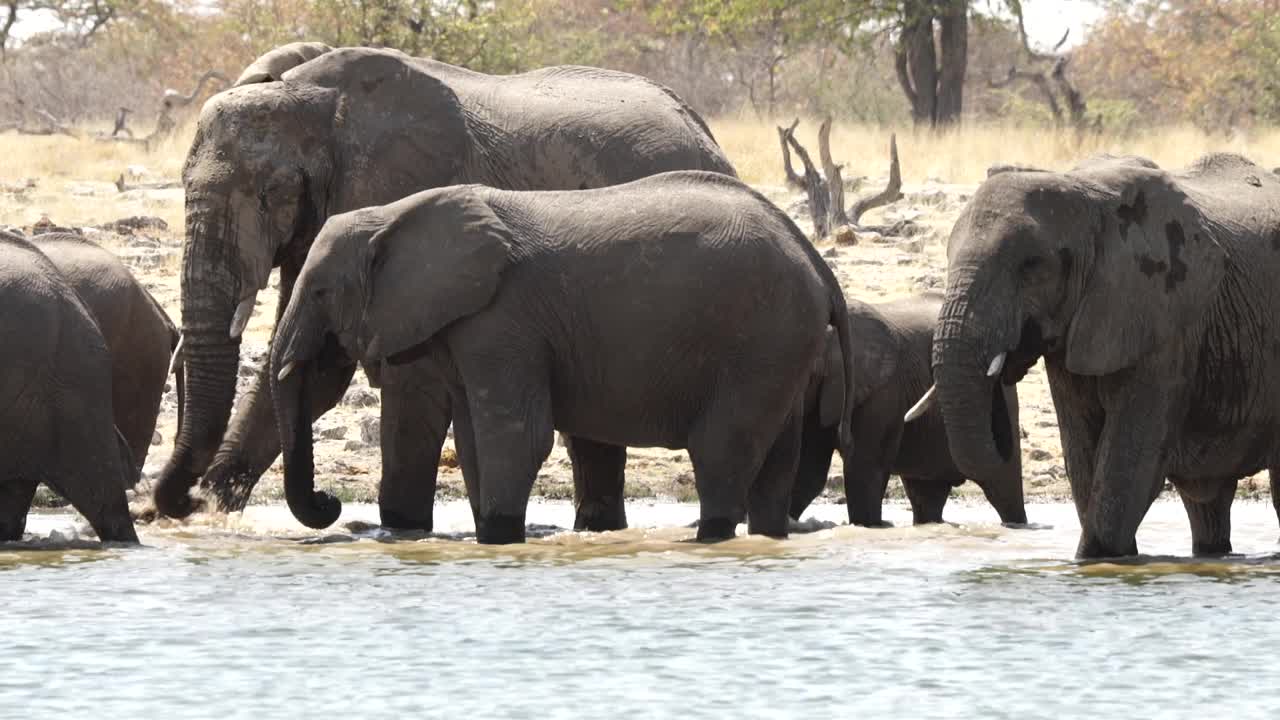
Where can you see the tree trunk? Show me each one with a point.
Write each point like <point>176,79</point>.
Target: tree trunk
<point>954,45</point>
<point>931,70</point>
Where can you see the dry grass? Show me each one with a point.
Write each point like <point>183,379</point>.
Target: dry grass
<point>74,179</point>
<point>58,163</point>
<point>964,156</point>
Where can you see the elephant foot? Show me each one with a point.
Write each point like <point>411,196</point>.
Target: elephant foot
<point>716,529</point>
<point>600,517</point>
<point>1217,548</point>
<point>1094,548</point>
<point>403,521</point>
<point>500,530</point>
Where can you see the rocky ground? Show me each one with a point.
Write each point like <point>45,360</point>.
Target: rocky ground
<point>870,266</point>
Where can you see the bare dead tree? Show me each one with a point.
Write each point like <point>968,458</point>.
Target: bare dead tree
<point>1054,85</point>
<point>170,103</point>
<point>815,186</point>
<point>826,194</point>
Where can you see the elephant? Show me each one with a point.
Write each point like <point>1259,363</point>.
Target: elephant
<point>682,310</point>
<point>140,337</point>
<point>894,343</point>
<point>55,393</point>
<point>272,66</point>
<point>359,127</point>
<point>1150,296</point>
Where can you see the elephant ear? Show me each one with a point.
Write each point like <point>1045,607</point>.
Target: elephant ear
<point>440,258</point>
<point>876,354</point>
<point>1156,268</point>
<point>400,128</point>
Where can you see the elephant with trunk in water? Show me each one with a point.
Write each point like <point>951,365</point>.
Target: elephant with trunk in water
<point>680,311</point>
<point>1151,297</point>
<point>892,346</point>
<point>355,127</point>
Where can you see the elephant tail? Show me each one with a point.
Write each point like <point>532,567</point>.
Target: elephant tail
<point>839,319</point>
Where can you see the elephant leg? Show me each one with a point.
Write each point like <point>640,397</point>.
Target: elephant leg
<point>866,473</point>
<point>928,496</point>
<point>15,501</point>
<point>91,478</point>
<point>1211,520</point>
<point>1129,470</point>
<point>513,437</point>
<point>1080,421</point>
<point>253,441</point>
<point>415,421</point>
<point>598,483</point>
<point>727,454</point>
<point>769,497</point>
<point>816,446</point>
<point>864,487</point>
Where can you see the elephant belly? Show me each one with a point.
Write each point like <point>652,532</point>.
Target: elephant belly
<point>620,419</point>
<point>1237,453</point>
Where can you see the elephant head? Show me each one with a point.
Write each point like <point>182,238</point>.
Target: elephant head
<point>269,164</point>
<point>1094,269</point>
<point>378,284</point>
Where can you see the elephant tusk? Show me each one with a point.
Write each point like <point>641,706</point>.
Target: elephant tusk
<point>177,355</point>
<point>240,320</point>
<point>996,365</point>
<point>922,405</point>
<point>284,371</point>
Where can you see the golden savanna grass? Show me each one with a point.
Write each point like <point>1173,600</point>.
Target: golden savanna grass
<point>961,156</point>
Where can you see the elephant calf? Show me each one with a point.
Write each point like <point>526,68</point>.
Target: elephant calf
<point>681,311</point>
<point>55,400</point>
<point>891,369</point>
<point>139,334</point>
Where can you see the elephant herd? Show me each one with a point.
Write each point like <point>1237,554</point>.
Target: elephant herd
<point>570,250</point>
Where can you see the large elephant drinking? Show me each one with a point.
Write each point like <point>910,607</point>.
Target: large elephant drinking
<point>355,127</point>
<point>1152,298</point>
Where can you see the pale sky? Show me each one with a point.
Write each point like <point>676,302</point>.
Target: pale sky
<point>1046,19</point>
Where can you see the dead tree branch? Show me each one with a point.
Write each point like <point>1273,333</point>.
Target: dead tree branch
<point>892,191</point>
<point>1055,78</point>
<point>835,183</point>
<point>784,134</point>
<point>826,194</point>
<point>817,189</point>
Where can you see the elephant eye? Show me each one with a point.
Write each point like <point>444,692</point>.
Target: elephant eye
<point>262,201</point>
<point>1032,268</point>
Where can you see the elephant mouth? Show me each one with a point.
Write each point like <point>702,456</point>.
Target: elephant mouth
<point>1032,345</point>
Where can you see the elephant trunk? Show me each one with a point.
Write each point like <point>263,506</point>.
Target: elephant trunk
<point>971,336</point>
<point>291,357</point>
<point>210,294</point>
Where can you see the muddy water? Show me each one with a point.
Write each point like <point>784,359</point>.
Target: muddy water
<point>252,617</point>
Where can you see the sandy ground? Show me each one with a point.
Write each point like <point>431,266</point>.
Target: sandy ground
<point>348,462</point>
